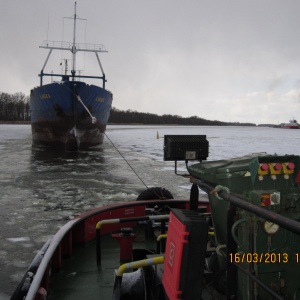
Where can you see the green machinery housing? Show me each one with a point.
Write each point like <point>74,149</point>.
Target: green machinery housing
<point>257,235</point>
<point>255,211</point>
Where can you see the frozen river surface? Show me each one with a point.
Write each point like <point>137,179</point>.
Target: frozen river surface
<point>41,189</point>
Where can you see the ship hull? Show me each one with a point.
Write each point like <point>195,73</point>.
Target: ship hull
<point>289,126</point>
<point>59,119</point>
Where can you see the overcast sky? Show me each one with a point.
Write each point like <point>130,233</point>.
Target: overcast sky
<point>217,59</point>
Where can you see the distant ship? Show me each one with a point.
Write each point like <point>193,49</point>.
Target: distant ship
<point>70,114</point>
<point>291,125</point>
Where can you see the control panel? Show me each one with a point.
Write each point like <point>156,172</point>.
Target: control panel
<point>275,169</point>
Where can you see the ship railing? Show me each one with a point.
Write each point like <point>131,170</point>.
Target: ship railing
<point>160,218</point>
<point>129,267</point>
<point>61,45</point>
<point>234,203</point>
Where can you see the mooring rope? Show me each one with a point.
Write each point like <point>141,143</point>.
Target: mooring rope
<point>93,118</point>
<point>126,161</point>
<point>94,121</point>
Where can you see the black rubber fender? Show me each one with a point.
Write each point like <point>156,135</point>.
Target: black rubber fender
<point>155,193</point>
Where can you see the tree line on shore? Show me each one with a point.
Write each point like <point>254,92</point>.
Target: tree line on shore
<point>133,117</point>
<point>15,108</point>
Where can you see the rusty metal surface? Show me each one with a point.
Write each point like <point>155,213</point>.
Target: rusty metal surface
<point>61,134</point>
<point>60,120</point>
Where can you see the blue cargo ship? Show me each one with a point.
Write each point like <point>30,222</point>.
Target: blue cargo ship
<point>70,113</point>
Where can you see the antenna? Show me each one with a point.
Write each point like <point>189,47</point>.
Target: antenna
<point>48,29</point>
<point>74,48</point>
<point>74,45</point>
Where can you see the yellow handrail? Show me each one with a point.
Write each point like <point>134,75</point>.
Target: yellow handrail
<point>122,220</point>
<point>139,264</point>
<point>161,236</point>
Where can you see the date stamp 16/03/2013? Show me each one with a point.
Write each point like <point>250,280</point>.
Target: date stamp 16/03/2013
<point>266,258</point>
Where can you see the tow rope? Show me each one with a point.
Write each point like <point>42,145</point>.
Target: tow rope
<point>93,118</point>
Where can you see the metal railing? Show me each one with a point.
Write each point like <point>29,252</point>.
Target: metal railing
<point>68,46</point>
<point>99,225</point>
<point>235,201</point>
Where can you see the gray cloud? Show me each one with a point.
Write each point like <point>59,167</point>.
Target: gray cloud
<point>227,60</point>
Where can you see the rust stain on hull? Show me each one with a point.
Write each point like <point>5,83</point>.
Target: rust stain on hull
<point>67,135</point>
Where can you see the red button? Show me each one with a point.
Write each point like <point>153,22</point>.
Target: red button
<point>264,167</point>
<point>290,166</point>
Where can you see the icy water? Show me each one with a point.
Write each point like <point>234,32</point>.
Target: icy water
<point>41,189</point>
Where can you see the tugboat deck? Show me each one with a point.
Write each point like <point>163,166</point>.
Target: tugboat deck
<point>80,277</point>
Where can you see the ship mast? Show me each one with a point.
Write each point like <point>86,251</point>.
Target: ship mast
<point>74,45</point>
<point>74,48</point>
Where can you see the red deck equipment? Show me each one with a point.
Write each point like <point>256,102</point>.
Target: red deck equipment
<point>185,255</point>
